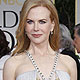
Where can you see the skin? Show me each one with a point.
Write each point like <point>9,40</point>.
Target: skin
<point>77,41</point>
<point>38,28</point>
<point>39,48</point>
<point>40,25</point>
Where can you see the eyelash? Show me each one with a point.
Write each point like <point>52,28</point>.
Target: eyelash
<point>29,21</point>
<point>41,22</point>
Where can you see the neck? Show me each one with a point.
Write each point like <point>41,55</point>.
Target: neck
<point>40,49</point>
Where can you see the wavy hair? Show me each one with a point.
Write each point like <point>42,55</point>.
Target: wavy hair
<point>23,41</point>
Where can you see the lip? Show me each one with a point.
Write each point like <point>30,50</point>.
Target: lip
<point>36,35</point>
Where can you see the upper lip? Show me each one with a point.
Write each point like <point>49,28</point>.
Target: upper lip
<point>36,35</point>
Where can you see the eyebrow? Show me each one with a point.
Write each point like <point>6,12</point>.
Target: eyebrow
<point>40,19</point>
<point>28,19</point>
<point>44,19</point>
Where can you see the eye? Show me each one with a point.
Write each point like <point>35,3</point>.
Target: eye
<point>29,21</point>
<point>42,22</point>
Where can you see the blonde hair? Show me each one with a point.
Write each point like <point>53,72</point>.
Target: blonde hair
<point>23,41</point>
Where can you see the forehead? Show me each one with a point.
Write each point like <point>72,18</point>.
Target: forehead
<point>39,11</point>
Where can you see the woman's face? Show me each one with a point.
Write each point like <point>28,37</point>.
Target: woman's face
<point>39,25</point>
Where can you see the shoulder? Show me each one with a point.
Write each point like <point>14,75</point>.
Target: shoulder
<point>70,63</point>
<point>67,59</point>
<point>2,60</point>
<point>11,65</point>
<point>14,60</point>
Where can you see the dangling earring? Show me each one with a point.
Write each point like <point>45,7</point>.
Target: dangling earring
<point>51,32</point>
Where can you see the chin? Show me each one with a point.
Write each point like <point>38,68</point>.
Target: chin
<point>40,41</point>
<point>37,42</point>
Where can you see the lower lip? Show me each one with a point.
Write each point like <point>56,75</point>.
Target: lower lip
<point>36,35</point>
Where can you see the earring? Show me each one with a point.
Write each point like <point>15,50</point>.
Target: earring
<point>51,32</point>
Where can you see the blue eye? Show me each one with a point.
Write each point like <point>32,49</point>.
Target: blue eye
<point>42,22</point>
<point>29,21</point>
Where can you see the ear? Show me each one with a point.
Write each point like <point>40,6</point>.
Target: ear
<point>52,25</point>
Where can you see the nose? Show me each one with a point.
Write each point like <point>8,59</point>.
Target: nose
<point>36,27</point>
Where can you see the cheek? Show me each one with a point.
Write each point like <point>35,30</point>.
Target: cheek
<point>46,29</point>
<point>77,42</point>
<point>28,28</point>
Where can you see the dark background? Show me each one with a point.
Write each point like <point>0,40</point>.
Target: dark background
<point>66,12</point>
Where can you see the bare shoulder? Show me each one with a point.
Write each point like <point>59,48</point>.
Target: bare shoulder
<point>70,63</point>
<point>14,60</point>
<point>10,67</point>
<point>67,58</point>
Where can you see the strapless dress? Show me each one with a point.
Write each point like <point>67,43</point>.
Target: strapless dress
<point>32,75</point>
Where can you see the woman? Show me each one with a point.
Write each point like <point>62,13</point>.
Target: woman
<point>36,56</point>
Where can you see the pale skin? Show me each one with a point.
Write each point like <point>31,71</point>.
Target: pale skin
<point>38,29</point>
